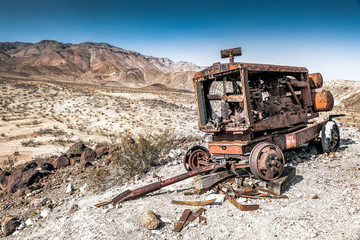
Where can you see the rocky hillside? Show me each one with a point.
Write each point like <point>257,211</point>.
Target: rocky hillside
<point>98,63</point>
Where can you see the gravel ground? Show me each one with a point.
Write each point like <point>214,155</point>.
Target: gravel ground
<point>334,214</point>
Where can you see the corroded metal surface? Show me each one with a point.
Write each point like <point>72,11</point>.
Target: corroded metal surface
<point>244,104</point>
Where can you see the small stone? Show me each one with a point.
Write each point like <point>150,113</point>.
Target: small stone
<point>150,221</point>
<point>39,202</point>
<point>72,209</point>
<point>112,149</point>
<point>9,225</point>
<point>312,196</point>
<point>21,226</point>
<point>107,161</point>
<point>44,213</point>
<point>83,188</point>
<point>29,222</point>
<point>101,151</point>
<point>105,210</point>
<point>69,188</point>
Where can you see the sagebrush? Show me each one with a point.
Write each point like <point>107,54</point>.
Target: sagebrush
<point>137,155</point>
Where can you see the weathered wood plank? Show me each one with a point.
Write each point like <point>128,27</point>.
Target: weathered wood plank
<point>279,185</point>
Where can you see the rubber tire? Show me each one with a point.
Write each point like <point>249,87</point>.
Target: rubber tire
<point>326,141</point>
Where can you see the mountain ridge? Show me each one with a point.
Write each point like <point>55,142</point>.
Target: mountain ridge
<point>98,63</point>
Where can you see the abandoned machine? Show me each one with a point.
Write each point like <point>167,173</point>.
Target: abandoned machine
<point>254,111</point>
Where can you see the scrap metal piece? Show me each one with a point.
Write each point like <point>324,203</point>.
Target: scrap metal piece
<point>241,207</point>
<point>194,215</point>
<point>160,184</point>
<point>202,220</point>
<point>102,204</point>
<point>194,203</point>
<point>182,220</point>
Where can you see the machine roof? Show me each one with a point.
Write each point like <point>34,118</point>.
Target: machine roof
<point>224,68</point>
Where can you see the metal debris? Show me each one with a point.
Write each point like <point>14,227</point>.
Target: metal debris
<point>194,203</point>
<point>202,220</point>
<point>182,220</point>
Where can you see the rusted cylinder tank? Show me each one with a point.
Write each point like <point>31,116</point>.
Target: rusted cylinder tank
<point>324,101</point>
<point>316,80</point>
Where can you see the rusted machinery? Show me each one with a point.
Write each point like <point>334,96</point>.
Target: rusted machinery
<point>254,111</point>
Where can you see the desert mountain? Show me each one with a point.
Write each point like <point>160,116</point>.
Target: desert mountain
<point>98,63</point>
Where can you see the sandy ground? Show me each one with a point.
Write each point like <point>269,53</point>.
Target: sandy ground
<point>335,214</point>
<point>39,119</point>
<point>95,115</point>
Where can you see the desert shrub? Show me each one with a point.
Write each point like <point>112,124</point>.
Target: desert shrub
<point>30,143</point>
<point>8,164</point>
<point>137,155</point>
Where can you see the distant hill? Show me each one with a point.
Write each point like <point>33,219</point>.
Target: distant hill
<point>97,63</point>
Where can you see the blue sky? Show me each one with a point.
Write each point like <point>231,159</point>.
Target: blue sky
<point>323,36</point>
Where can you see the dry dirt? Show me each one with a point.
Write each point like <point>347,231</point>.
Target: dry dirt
<point>39,119</point>
<point>95,114</point>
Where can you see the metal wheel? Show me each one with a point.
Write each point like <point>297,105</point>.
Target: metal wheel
<point>330,137</point>
<point>266,161</point>
<point>196,157</point>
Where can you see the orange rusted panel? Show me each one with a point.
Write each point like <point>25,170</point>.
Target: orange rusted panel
<point>226,149</point>
<point>290,140</point>
<point>316,80</point>
<point>324,101</point>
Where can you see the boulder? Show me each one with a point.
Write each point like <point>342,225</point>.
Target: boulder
<point>101,151</point>
<point>9,225</point>
<point>47,167</point>
<point>3,178</point>
<point>74,160</point>
<point>87,156</point>
<point>29,166</point>
<point>76,150</point>
<point>21,179</point>
<point>150,221</point>
<point>61,162</point>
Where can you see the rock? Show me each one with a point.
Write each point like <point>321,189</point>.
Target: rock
<point>29,166</point>
<point>74,160</point>
<point>61,162</point>
<point>312,196</point>
<point>76,150</point>
<point>72,209</point>
<point>112,149</point>
<point>21,179</point>
<point>87,156</point>
<point>107,161</point>
<point>9,225</point>
<point>149,220</point>
<point>105,211</point>
<point>3,178</point>
<point>39,202</point>
<point>47,167</point>
<point>82,189</point>
<point>29,222</point>
<point>45,212</point>
<point>20,192</point>
<point>101,151</point>
<point>69,188</point>
<point>21,226</point>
